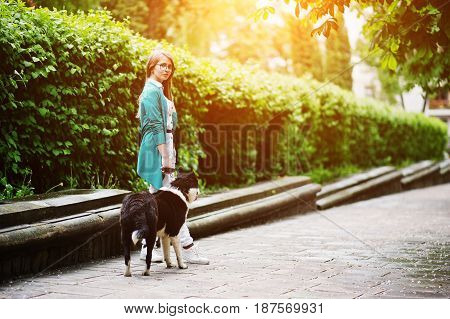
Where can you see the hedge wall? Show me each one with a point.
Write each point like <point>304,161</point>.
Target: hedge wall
<point>69,87</point>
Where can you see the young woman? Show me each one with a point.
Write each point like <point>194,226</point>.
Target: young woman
<point>158,119</point>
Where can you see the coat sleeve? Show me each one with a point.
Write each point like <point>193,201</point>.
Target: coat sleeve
<point>151,103</point>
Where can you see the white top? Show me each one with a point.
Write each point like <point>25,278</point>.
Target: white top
<point>170,109</point>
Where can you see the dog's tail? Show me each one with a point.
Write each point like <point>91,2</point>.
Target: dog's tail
<point>137,235</point>
<point>143,223</point>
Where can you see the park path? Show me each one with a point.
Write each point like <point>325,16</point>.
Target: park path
<point>395,246</point>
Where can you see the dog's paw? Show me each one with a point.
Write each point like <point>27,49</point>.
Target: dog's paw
<point>182,266</point>
<point>169,265</point>
<point>146,272</point>
<point>127,274</point>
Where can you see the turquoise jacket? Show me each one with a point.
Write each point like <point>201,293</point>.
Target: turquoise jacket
<point>153,126</point>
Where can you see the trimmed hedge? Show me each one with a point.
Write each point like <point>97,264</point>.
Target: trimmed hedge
<point>69,90</point>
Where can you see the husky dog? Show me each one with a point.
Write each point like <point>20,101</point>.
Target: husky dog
<point>146,215</point>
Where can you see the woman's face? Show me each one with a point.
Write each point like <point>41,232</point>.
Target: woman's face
<point>163,69</point>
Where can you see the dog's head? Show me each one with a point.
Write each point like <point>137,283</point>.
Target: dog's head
<point>187,183</point>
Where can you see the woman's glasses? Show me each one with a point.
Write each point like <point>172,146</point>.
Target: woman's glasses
<point>164,66</point>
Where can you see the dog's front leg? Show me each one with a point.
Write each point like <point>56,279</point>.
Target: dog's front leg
<point>177,247</point>
<point>165,241</point>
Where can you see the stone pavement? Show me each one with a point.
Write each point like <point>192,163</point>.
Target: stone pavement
<point>396,246</point>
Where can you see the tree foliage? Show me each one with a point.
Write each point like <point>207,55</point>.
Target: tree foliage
<point>69,5</point>
<point>338,57</point>
<point>69,86</point>
<point>412,36</point>
<point>391,88</point>
<point>305,53</point>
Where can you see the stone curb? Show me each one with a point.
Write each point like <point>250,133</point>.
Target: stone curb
<point>243,195</point>
<point>295,200</point>
<point>58,230</point>
<point>356,179</point>
<point>385,184</point>
<point>67,240</point>
<point>63,204</point>
<point>445,171</point>
<point>427,176</point>
<point>88,223</point>
<point>352,189</point>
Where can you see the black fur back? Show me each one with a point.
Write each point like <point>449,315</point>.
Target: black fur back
<point>139,210</point>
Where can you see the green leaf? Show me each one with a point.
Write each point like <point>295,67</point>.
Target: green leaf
<point>35,59</point>
<point>43,111</point>
<point>394,47</point>
<point>11,141</point>
<point>392,64</point>
<point>106,132</point>
<point>16,156</point>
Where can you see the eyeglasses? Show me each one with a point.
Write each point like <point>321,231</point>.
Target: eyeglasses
<point>164,66</point>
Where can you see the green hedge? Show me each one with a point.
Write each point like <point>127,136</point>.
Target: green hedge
<point>69,89</point>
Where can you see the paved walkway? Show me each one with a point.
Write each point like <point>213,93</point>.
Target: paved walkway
<point>395,246</point>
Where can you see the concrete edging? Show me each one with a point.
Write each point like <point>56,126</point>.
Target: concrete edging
<point>385,184</point>
<point>422,174</point>
<point>243,195</point>
<point>361,186</point>
<point>20,212</point>
<point>297,199</point>
<point>353,180</point>
<point>67,240</point>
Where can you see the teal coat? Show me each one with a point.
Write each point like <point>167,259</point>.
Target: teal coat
<point>153,126</point>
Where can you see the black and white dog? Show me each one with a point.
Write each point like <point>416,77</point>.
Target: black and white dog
<point>146,215</point>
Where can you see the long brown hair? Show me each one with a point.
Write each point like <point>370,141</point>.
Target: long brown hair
<point>151,63</point>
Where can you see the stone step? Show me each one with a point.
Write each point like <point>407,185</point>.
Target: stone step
<point>422,174</point>
<point>445,171</point>
<point>246,194</point>
<point>58,204</point>
<point>65,240</point>
<point>353,180</point>
<point>383,180</point>
<point>385,184</point>
<point>416,168</point>
<point>293,201</point>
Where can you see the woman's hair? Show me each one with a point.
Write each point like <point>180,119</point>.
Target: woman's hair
<point>151,63</point>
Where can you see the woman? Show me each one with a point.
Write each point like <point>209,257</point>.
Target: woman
<point>158,119</point>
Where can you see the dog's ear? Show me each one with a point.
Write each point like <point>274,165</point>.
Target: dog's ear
<point>193,177</point>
